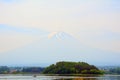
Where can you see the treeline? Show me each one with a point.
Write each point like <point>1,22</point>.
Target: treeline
<point>32,70</point>
<point>20,70</point>
<point>113,71</point>
<point>58,68</point>
<point>72,68</point>
<point>4,70</point>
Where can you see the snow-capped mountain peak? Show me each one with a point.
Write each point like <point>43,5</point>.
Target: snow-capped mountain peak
<point>60,35</point>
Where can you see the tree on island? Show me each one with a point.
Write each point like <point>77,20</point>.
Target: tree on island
<point>71,68</point>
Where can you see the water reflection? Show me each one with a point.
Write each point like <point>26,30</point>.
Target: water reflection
<point>105,77</point>
<point>79,79</point>
<point>42,77</point>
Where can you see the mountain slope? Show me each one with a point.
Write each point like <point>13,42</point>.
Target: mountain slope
<point>57,46</point>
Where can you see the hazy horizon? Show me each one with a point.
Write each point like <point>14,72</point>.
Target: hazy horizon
<point>34,32</point>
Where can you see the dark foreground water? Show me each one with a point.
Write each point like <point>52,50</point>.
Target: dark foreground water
<point>42,77</point>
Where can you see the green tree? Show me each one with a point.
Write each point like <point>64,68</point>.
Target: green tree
<point>71,68</point>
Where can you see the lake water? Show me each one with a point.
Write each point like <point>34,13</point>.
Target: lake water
<point>42,77</point>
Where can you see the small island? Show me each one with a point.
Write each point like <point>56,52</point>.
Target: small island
<point>71,68</point>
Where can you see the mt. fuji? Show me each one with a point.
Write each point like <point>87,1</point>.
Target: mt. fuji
<point>56,46</point>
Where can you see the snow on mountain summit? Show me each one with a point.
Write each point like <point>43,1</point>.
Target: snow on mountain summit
<point>60,35</point>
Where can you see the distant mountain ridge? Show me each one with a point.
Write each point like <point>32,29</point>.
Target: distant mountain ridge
<point>55,47</point>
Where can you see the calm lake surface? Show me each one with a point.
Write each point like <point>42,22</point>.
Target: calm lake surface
<point>42,77</point>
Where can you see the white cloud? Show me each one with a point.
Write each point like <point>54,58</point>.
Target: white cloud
<point>59,15</point>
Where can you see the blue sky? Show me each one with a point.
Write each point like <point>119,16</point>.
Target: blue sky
<point>95,23</point>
